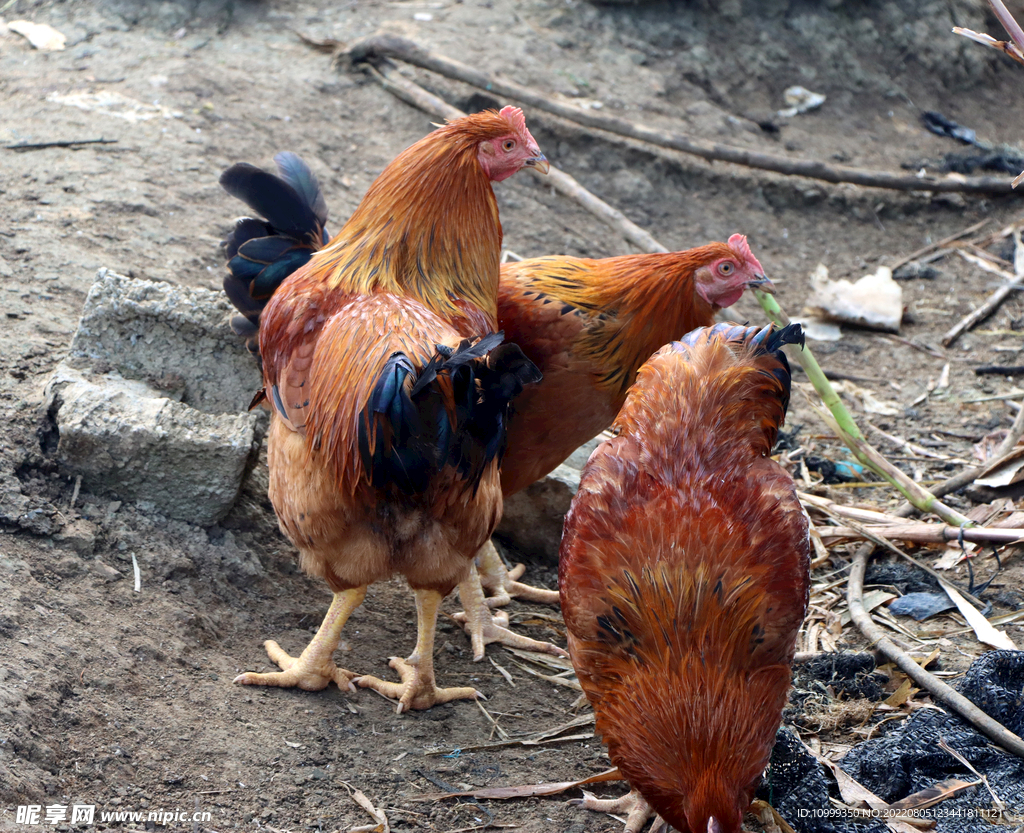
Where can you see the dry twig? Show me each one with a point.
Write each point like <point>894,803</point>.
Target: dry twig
<point>965,478</point>
<point>410,52</point>
<point>1013,283</point>
<point>932,247</point>
<point>943,693</point>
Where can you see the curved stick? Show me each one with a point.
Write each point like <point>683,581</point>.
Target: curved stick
<point>992,729</point>
<point>412,53</point>
<point>387,75</point>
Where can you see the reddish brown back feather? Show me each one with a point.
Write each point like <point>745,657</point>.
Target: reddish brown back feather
<point>683,576</point>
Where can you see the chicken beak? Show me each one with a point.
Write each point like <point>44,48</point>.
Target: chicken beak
<point>539,163</point>
<point>761,282</point>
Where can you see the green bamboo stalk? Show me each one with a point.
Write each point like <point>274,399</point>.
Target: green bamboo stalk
<point>842,422</point>
<point>805,358</point>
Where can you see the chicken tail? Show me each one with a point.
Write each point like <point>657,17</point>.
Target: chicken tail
<point>763,342</point>
<point>263,252</point>
<point>453,412</point>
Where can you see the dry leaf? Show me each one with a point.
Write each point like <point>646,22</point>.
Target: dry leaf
<point>41,36</point>
<point>902,694</point>
<point>872,599</point>
<point>984,629</point>
<point>930,796</point>
<point>1007,471</point>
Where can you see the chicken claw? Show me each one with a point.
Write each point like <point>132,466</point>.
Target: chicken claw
<point>502,584</point>
<point>632,803</point>
<point>418,689</point>
<point>315,668</point>
<point>485,627</point>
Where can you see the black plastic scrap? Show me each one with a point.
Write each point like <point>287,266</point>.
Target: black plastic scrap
<point>941,126</point>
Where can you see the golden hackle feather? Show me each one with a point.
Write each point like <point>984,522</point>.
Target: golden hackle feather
<point>428,226</point>
<point>637,303</point>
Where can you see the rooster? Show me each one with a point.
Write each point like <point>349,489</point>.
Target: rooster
<point>388,385</point>
<point>684,578</point>
<point>589,325</point>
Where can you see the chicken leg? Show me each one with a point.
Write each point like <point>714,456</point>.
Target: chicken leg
<point>314,669</point>
<point>502,583</point>
<point>418,689</point>
<point>632,803</point>
<point>485,627</point>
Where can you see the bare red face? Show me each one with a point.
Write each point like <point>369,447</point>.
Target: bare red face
<point>723,281</point>
<point>508,154</point>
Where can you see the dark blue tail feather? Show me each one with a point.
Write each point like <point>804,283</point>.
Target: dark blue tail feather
<point>410,432</point>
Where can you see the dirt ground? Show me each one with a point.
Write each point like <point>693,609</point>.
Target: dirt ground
<point>124,700</point>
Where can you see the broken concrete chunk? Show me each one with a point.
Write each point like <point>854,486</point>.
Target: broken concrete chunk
<point>128,440</point>
<point>174,338</point>
<point>150,403</point>
<point>532,520</point>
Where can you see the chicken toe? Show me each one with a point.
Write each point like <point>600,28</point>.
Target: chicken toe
<point>314,669</point>
<point>637,810</point>
<point>502,584</point>
<point>418,689</point>
<point>485,627</point>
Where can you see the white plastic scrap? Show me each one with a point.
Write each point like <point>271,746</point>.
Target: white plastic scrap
<point>41,36</point>
<point>800,100</point>
<point>875,301</point>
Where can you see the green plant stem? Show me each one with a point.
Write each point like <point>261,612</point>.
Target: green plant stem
<point>842,422</point>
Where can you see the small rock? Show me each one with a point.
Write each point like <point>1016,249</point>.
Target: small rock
<point>79,535</point>
<point>532,521</point>
<point>104,571</point>
<point>69,565</point>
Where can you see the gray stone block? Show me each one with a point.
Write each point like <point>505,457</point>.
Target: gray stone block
<point>532,520</point>
<point>150,403</point>
<point>175,338</point>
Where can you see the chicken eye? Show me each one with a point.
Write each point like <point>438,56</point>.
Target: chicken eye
<point>725,269</point>
<point>509,145</point>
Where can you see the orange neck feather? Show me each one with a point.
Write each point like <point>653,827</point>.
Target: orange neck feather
<point>427,228</point>
<point>644,302</point>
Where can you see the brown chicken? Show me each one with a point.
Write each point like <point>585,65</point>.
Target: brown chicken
<point>388,389</point>
<point>684,578</point>
<point>589,325</point>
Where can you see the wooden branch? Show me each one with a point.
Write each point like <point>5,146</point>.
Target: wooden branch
<point>410,52</point>
<point>388,76</point>
<point>1013,283</point>
<point>933,247</point>
<point>1010,24</point>
<point>922,533</point>
<point>943,693</point>
<point>59,144</point>
<point>999,370</point>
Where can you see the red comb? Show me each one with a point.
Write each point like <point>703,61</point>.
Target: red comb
<point>516,117</point>
<point>738,243</point>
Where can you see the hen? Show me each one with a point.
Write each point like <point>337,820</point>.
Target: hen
<point>388,389</point>
<point>684,577</point>
<point>589,325</point>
